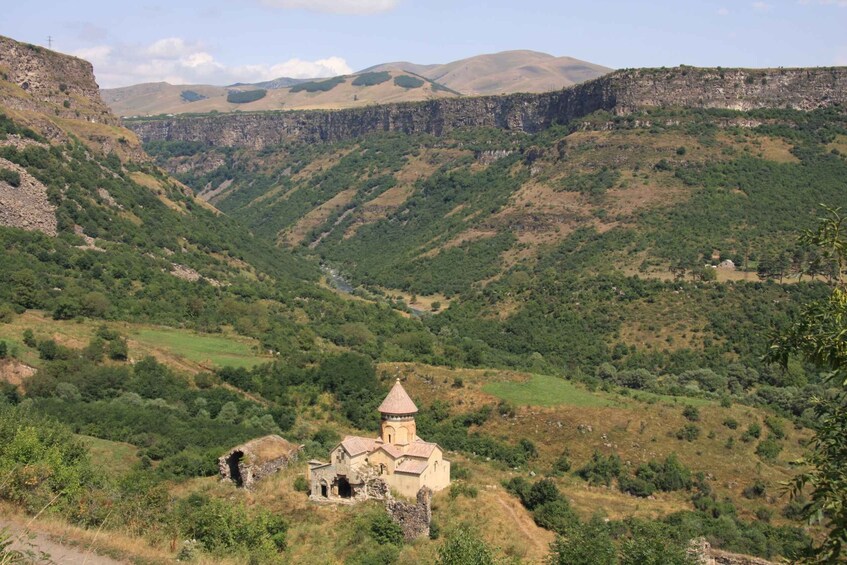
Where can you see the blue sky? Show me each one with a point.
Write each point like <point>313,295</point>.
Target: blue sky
<point>220,42</point>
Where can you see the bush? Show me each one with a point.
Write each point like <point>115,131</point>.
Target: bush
<point>464,547</point>
<point>561,465</point>
<point>691,413</point>
<point>731,423</point>
<point>636,486</point>
<point>301,484</point>
<point>4,350</point>
<point>405,81</point>
<point>756,490</point>
<point>584,544</point>
<point>555,515</point>
<point>245,96</point>
<point>688,432</point>
<point>601,469</point>
<point>753,432</point>
<point>10,177</point>
<point>385,530</point>
<point>769,448</point>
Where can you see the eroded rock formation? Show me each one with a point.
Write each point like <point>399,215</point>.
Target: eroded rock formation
<point>621,92</point>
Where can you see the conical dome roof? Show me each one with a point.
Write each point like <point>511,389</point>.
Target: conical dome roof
<point>397,402</point>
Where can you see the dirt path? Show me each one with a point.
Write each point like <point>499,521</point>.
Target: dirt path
<point>53,551</point>
<point>526,529</point>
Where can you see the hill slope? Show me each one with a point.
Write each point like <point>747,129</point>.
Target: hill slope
<point>500,73</point>
<point>505,72</point>
<point>352,91</point>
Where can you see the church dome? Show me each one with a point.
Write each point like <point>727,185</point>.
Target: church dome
<point>397,403</point>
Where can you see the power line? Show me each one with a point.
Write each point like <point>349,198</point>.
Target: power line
<point>50,42</point>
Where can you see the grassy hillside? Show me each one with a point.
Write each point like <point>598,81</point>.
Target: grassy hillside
<point>338,92</point>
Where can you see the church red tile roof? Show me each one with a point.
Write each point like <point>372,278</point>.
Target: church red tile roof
<point>397,402</point>
<point>411,467</point>
<point>354,445</point>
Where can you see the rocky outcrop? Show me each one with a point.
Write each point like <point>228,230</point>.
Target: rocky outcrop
<point>26,206</point>
<point>66,84</point>
<point>621,92</point>
<point>701,552</point>
<point>57,96</point>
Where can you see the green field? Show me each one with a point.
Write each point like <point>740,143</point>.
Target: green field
<point>202,348</point>
<point>544,390</point>
<point>112,456</point>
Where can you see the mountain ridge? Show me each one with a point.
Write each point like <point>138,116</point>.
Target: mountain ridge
<point>619,93</point>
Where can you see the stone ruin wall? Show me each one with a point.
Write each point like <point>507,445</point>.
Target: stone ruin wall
<point>413,518</point>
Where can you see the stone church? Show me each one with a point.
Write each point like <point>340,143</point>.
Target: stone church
<point>361,468</point>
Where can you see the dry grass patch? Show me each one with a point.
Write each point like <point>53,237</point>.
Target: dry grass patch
<point>316,217</point>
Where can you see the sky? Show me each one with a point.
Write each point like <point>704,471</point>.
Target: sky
<point>223,42</point>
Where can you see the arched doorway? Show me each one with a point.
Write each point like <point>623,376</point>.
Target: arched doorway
<point>344,488</point>
<point>232,463</point>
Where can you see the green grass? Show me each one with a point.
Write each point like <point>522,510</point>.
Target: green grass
<point>112,456</point>
<point>217,350</point>
<point>543,390</point>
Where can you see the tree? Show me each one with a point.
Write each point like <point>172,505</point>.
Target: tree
<point>818,337</point>
<point>465,548</point>
<point>584,544</point>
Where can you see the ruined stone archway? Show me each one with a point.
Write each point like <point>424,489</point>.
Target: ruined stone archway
<point>233,464</point>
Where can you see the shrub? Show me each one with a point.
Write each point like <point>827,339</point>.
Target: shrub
<point>301,484</point>
<point>245,96</point>
<point>756,490</point>
<point>753,432</point>
<point>462,489</point>
<point>691,413</point>
<point>584,544</point>
<point>561,465</point>
<point>731,423</point>
<point>10,177</point>
<point>555,515</point>
<point>405,81</point>
<point>688,432</point>
<point>385,530</point>
<point>464,547</point>
<point>4,350</point>
<point>600,470</point>
<point>769,448</point>
<point>636,486</point>
<point>776,426</point>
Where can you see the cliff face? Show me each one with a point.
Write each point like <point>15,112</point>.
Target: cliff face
<point>621,92</point>
<point>51,79</point>
<point>57,95</point>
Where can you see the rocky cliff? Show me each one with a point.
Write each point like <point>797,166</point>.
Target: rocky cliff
<point>621,92</point>
<point>57,95</point>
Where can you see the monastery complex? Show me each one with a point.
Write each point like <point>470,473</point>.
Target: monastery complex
<point>398,460</point>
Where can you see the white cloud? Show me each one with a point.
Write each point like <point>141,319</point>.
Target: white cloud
<point>723,12</point>
<point>761,6</point>
<point>177,61</point>
<point>335,6</point>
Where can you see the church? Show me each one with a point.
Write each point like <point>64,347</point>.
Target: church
<point>361,468</point>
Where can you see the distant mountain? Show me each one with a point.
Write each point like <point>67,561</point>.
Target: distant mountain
<point>352,91</point>
<point>504,73</point>
<point>499,73</point>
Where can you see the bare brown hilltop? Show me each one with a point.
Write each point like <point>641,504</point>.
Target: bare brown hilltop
<point>620,92</point>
